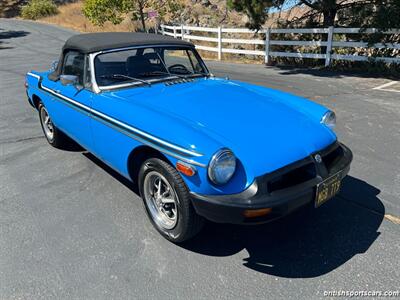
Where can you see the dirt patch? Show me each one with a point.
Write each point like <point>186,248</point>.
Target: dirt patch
<point>71,16</point>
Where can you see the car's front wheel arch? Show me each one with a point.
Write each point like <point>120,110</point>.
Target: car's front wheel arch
<point>138,156</point>
<point>167,201</point>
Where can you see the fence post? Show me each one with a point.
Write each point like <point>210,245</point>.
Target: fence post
<point>267,38</point>
<point>329,46</point>
<point>162,29</point>
<point>182,32</point>
<point>174,31</point>
<point>219,43</point>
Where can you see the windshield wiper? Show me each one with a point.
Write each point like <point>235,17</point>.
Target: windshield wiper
<point>121,76</point>
<point>191,74</point>
<point>162,73</point>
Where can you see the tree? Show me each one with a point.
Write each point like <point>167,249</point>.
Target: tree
<point>383,15</point>
<point>101,11</point>
<point>114,11</point>
<point>375,11</point>
<point>254,9</point>
<point>328,9</point>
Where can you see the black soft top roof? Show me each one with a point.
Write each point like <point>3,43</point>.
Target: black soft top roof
<point>93,42</point>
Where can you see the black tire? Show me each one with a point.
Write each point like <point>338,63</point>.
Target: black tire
<point>188,223</point>
<point>58,139</point>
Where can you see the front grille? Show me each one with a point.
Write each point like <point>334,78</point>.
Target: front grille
<point>292,177</point>
<point>330,159</point>
<point>299,172</point>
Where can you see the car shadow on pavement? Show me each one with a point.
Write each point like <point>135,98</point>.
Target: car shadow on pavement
<point>126,182</point>
<point>9,34</point>
<point>308,243</point>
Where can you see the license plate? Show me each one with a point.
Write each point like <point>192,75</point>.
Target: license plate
<point>327,189</point>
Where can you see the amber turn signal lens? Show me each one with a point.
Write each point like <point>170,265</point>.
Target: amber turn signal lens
<point>185,169</point>
<point>254,213</point>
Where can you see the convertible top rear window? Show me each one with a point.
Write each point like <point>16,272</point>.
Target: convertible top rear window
<point>147,65</point>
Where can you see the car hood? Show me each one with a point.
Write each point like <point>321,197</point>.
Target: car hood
<point>265,128</point>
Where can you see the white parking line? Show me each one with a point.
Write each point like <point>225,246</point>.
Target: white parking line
<point>383,87</point>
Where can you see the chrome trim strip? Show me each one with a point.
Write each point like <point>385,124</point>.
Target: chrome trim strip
<point>95,87</point>
<point>34,75</point>
<point>122,85</point>
<point>80,105</point>
<point>130,131</point>
<point>142,133</point>
<point>166,81</point>
<point>163,150</point>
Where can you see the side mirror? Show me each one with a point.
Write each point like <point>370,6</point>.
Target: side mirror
<point>54,65</point>
<point>69,79</point>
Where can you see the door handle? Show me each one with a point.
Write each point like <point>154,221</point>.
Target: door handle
<point>58,91</point>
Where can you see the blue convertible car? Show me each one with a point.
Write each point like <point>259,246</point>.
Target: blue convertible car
<point>198,147</point>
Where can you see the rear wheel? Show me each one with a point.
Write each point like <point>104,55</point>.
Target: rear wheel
<point>53,135</point>
<point>167,201</point>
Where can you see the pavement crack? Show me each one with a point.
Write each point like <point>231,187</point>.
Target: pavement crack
<point>20,140</point>
<point>360,205</point>
<point>389,217</point>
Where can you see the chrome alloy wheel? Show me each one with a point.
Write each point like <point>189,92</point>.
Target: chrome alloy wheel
<point>48,127</point>
<point>161,200</point>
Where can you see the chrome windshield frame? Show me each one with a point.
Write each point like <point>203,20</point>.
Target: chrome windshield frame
<point>98,89</point>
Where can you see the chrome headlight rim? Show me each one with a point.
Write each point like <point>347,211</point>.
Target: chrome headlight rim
<point>213,163</point>
<point>329,119</point>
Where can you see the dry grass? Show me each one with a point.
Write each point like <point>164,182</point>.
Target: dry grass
<point>71,16</point>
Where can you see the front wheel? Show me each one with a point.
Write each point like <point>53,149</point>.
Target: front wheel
<point>167,201</point>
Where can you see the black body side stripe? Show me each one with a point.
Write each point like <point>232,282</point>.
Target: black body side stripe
<point>141,136</point>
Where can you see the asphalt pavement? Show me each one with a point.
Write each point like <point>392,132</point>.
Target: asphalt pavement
<point>71,228</point>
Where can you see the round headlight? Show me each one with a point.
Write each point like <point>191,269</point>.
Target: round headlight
<point>329,119</point>
<point>222,166</point>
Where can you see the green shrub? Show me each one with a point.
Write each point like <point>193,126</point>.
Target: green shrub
<point>36,9</point>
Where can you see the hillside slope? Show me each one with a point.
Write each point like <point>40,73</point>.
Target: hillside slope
<point>207,13</point>
<point>10,8</point>
<point>196,12</point>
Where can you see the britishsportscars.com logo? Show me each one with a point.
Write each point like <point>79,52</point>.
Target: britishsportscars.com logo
<point>350,294</point>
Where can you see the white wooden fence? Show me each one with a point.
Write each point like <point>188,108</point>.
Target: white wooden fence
<point>215,36</point>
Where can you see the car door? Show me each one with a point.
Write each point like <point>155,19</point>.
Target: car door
<point>74,100</point>
<point>110,145</point>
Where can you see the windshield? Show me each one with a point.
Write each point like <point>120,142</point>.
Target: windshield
<point>147,65</point>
